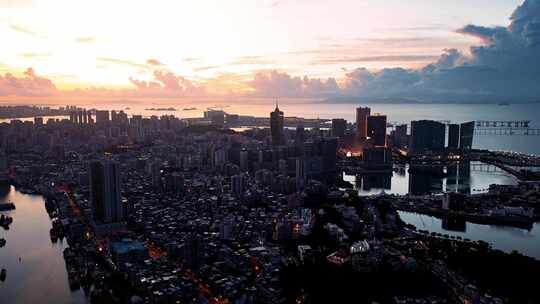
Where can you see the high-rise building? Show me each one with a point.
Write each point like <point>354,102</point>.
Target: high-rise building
<point>80,117</point>
<point>300,136</point>
<point>466,135</point>
<point>427,135</point>
<point>361,121</point>
<point>339,126</point>
<point>244,160</point>
<point>193,252</point>
<point>155,173</point>
<point>377,157</point>
<point>453,136</point>
<point>328,149</point>
<point>237,184</point>
<point>376,130</point>
<point>38,121</point>
<point>105,192</point>
<point>102,117</point>
<point>3,161</point>
<point>72,117</point>
<point>174,183</point>
<point>276,126</point>
<point>300,173</point>
<point>400,136</point>
<point>217,117</point>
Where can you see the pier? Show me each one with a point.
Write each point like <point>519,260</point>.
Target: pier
<point>507,131</point>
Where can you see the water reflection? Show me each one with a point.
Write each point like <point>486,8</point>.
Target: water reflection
<point>374,181</point>
<point>4,191</point>
<point>36,271</point>
<point>462,177</point>
<point>504,238</point>
<point>454,222</point>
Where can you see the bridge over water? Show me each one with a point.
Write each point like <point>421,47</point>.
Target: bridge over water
<point>492,127</point>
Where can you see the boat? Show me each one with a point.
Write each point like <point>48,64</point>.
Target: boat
<point>161,109</point>
<point>74,282</point>
<point>504,104</point>
<point>7,206</point>
<point>54,235</point>
<point>5,220</point>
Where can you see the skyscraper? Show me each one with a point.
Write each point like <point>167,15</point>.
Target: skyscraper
<point>244,160</point>
<point>300,173</point>
<point>237,184</point>
<point>102,117</point>
<point>466,135</point>
<point>361,121</point>
<point>72,117</point>
<point>80,117</point>
<point>105,192</point>
<point>453,136</point>
<point>376,130</point>
<point>276,126</point>
<point>400,136</point>
<point>300,136</point>
<point>193,252</point>
<point>89,117</point>
<point>155,173</point>
<point>427,135</point>
<point>339,126</point>
<point>216,117</point>
<point>38,121</point>
<point>328,150</point>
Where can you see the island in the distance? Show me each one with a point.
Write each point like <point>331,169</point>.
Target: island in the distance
<point>161,109</point>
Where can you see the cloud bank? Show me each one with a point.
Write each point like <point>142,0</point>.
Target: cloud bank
<point>167,84</point>
<point>505,66</point>
<point>28,85</point>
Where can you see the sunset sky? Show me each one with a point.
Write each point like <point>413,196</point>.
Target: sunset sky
<point>230,47</point>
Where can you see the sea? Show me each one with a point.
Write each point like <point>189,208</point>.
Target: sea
<point>314,108</point>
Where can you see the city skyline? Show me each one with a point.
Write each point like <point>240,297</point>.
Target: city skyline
<point>269,151</point>
<point>349,49</point>
<point>226,208</point>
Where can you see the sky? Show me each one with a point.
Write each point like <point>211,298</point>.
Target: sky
<point>415,49</point>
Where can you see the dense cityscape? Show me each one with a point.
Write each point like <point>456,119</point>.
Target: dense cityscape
<point>228,208</point>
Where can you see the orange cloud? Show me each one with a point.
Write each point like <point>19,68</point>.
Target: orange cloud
<point>255,60</point>
<point>28,85</point>
<point>123,62</point>
<point>167,84</point>
<point>86,39</point>
<point>154,62</point>
<point>37,56</point>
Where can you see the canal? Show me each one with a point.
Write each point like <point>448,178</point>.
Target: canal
<point>40,275</point>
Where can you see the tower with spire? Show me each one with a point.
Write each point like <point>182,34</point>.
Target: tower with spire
<point>276,125</point>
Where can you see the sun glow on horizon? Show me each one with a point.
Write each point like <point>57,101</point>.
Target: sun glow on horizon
<point>82,44</point>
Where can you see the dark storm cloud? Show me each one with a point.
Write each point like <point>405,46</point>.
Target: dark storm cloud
<point>506,67</point>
